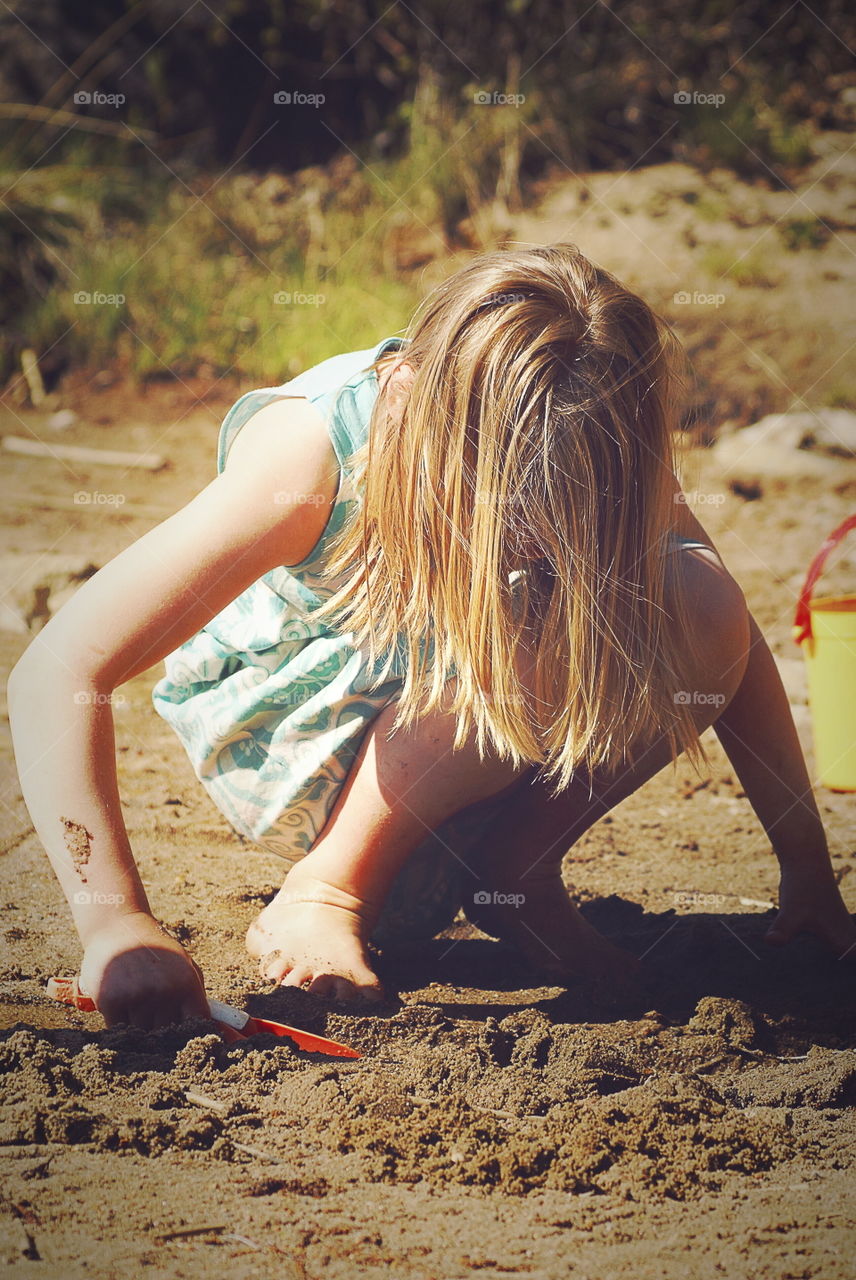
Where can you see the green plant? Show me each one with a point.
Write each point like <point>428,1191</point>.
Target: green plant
<point>803,233</point>
<point>749,133</point>
<point>752,269</point>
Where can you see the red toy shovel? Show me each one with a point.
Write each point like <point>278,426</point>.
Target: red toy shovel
<point>233,1024</point>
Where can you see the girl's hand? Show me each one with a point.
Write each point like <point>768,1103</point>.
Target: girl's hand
<point>810,902</point>
<point>136,973</point>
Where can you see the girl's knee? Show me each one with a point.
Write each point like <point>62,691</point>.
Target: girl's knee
<point>425,756</point>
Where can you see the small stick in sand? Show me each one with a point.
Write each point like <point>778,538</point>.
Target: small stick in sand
<point>81,453</point>
<point>216,1228</point>
<point>32,376</point>
<point>202,1100</point>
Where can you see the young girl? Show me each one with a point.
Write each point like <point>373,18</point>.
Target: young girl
<point>443,606</point>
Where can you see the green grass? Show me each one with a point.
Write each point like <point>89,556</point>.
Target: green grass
<point>711,207</point>
<point>197,275</point>
<point>747,133</point>
<point>804,233</point>
<point>197,267</point>
<point>196,284</point>
<point>753,269</point>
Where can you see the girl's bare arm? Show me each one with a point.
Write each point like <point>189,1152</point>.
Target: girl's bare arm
<point>758,734</point>
<point>757,731</point>
<point>128,617</point>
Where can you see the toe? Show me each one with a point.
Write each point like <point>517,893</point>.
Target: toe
<point>273,966</point>
<point>367,986</point>
<point>329,986</point>
<point>296,977</point>
<point>257,940</point>
<point>332,986</point>
<point>372,994</point>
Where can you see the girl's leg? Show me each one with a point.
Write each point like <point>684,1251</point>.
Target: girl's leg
<point>316,929</point>
<point>517,892</point>
<point>399,789</point>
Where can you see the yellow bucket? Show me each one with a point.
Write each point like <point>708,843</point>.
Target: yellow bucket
<point>826,630</point>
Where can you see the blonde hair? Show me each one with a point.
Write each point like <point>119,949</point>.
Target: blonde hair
<point>540,416</point>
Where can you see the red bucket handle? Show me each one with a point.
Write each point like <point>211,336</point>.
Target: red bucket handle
<point>802,620</point>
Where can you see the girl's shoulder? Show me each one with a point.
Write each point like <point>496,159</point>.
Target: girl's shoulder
<point>343,387</point>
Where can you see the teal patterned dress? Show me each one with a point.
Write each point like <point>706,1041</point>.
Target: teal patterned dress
<point>271,705</point>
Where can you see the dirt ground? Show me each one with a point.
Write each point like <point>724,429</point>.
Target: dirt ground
<point>492,1127</point>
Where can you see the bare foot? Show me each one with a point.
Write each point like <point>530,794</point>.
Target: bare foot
<point>315,935</point>
<point>534,913</point>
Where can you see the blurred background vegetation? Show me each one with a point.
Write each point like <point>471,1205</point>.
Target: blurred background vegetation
<point>145,157</point>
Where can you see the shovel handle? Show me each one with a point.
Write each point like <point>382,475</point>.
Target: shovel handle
<point>802,619</point>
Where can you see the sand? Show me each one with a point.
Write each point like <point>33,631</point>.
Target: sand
<point>493,1127</point>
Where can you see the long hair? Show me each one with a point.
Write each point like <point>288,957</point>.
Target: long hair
<point>537,435</point>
